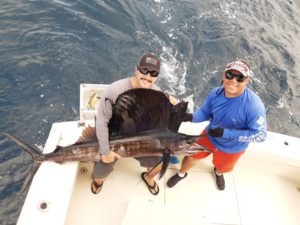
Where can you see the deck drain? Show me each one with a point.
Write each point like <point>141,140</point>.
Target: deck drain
<point>83,170</point>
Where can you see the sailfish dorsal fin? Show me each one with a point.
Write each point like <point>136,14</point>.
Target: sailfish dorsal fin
<point>139,110</point>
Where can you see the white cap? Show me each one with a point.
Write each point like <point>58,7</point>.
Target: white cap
<point>240,66</point>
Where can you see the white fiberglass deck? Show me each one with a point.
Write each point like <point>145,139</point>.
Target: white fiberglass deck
<point>263,189</point>
<point>252,196</point>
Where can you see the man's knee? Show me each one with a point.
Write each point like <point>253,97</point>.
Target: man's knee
<point>189,160</point>
<point>102,170</point>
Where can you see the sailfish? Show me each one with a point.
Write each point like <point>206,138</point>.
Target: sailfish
<point>143,123</point>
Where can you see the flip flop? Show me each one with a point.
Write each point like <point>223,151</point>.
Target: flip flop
<point>151,188</point>
<point>97,186</point>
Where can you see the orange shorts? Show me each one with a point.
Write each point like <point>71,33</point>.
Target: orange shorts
<point>224,162</point>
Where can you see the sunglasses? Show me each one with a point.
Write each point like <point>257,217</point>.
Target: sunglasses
<point>145,71</point>
<point>239,77</point>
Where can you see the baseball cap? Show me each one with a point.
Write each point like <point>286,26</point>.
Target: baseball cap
<point>240,66</point>
<point>150,61</point>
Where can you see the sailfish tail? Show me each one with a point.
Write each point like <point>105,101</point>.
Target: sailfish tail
<point>26,147</point>
<point>33,153</point>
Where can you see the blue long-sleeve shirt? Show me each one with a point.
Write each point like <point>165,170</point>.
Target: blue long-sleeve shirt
<point>243,119</point>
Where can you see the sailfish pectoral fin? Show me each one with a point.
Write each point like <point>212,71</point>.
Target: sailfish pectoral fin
<point>165,160</point>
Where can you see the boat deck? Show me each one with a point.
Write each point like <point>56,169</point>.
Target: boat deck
<point>263,189</point>
<point>252,196</point>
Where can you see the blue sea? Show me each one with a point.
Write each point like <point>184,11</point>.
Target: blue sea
<point>49,47</point>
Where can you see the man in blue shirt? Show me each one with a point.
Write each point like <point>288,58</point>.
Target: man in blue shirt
<point>237,117</point>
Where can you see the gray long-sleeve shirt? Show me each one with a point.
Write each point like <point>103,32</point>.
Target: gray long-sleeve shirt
<point>104,113</point>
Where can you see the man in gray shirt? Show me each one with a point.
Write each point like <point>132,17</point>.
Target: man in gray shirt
<point>146,75</point>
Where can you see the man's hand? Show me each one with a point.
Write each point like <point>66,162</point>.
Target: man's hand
<point>217,132</point>
<point>173,100</point>
<point>110,157</point>
<point>187,117</point>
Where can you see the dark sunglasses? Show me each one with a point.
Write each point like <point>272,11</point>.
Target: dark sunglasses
<point>239,77</point>
<point>145,71</point>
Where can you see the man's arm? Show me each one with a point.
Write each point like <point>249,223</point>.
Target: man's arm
<point>103,116</point>
<point>256,127</point>
<point>203,113</point>
<point>257,132</point>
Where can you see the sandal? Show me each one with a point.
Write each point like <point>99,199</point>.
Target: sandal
<point>97,186</point>
<point>153,189</point>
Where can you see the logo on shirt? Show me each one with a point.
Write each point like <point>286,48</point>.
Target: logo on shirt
<point>260,120</point>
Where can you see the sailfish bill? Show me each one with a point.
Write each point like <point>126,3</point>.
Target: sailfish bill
<point>144,123</point>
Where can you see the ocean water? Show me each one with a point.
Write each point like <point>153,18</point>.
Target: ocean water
<point>49,47</point>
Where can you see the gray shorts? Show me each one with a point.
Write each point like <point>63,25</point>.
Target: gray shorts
<point>102,170</point>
